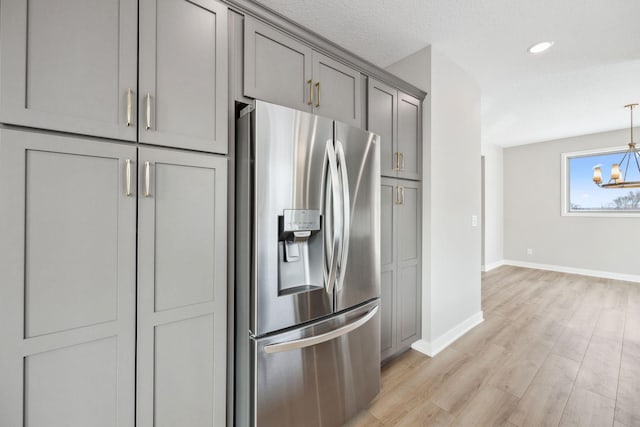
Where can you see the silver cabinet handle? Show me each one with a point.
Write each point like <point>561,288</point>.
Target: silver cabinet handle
<point>310,83</point>
<point>148,110</point>
<point>319,339</point>
<point>401,161</point>
<point>127,173</point>
<point>333,220</point>
<point>147,179</point>
<point>346,212</point>
<point>317,94</point>
<point>400,195</point>
<point>396,161</point>
<point>129,95</point>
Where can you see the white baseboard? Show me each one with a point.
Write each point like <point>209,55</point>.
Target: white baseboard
<point>493,265</point>
<point>572,270</point>
<point>431,348</point>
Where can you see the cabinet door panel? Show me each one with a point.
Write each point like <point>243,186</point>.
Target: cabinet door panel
<point>383,120</point>
<point>67,268</point>
<point>276,67</point>
<point>409,137</point>
<point>337,90</point>
<point>184,73</point>
<point>408,309</point>
<point>408,272</point>
<point>181,289</point>
<point>388,247</point>
<point>68,64</point>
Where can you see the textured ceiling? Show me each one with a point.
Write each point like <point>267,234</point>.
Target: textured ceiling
<point>577,87</point>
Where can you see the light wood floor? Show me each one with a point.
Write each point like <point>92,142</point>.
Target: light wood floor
<point>554,349</point>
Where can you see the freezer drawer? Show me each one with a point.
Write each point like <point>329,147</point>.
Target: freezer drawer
<point>320,375</point>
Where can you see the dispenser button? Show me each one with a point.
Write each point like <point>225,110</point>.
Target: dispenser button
<point>291,251</point>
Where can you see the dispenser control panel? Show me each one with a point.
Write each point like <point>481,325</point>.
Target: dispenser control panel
<point>301,220</point>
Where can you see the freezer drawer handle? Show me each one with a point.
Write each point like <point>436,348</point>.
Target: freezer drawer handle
<point>319,339</point>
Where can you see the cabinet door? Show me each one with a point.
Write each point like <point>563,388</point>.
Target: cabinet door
<point>409,136</point>
<point>383,120</point>
<point>67,275</point>
<point>182,285</point>
<point>336,90</point>
<point>277,68</point>
<point>69,65</point>
<point>388,247</point>
<point>183,74</point>
<point>409,241</point>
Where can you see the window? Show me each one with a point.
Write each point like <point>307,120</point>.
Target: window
<point>582,197</point>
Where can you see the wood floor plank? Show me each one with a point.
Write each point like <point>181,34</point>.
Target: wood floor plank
<point>628,397</point>
<point>490,407</point>
<point>544,400</point>
<point>463,385</point>
<point>427,414</point>
<point>601,366</point>
<point>587,409</point>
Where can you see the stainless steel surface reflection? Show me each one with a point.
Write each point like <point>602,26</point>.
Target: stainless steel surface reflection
<point>323,384</point>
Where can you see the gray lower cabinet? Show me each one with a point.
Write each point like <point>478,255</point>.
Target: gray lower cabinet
<point>69,65</point>
<point>400,226</point>
<point>183,74</point>
<point>182,262</point>
<point>282,70</point>
<point>68,310</point>
<point>396,117</point>
<point>67,281</point>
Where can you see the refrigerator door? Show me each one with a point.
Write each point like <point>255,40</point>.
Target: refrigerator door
<point>292,233</point>
<point>358,157</point>
<point>320,375</point>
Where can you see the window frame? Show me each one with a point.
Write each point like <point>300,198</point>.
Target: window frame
<point>565,193</point>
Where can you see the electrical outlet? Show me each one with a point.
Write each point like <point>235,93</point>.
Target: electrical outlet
<point>529,251</point>
<point>474,220</point>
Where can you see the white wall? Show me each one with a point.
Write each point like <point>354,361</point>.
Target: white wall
<point>532,210</point>
<point>451,183</point>
<point>493,205</point>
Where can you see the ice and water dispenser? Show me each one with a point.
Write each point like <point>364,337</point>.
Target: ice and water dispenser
<point>300,251</point>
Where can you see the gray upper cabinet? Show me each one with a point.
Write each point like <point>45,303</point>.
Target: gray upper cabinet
<point>336,90</point>
<point>400,228</point>
<point>409,136</point>
<point>383,120</point>
<point>396,117</point>
<point>70,65</point>
<point>183,74</point>
<point>277,68</point>
<point>67,274</point>
<point>182,262</point>
<point>282,70</point>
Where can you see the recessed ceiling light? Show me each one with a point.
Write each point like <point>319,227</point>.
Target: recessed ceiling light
<point>540,47</point>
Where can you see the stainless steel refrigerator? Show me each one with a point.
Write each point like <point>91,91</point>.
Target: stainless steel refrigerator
<point>307,269</point>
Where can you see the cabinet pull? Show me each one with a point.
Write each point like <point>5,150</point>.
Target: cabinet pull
<point>396,161</point>
<point>317,94</point>
<point>310,83</point>
<point>401,194</point>
<point>127,172</point>
<point>147,179</point>
<point>129,95</point>
<point>148,98</point>
<point>401,161</point>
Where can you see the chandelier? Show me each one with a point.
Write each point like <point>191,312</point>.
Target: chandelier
<point>618,179</point>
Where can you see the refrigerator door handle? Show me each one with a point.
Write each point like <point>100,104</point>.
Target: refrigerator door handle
<point>334,218</point>
<point>346,215</point>
<point>319,339</point>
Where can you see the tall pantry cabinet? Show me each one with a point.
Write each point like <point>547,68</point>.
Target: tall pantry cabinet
<point>396,117</point>
<point>113,253</point>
